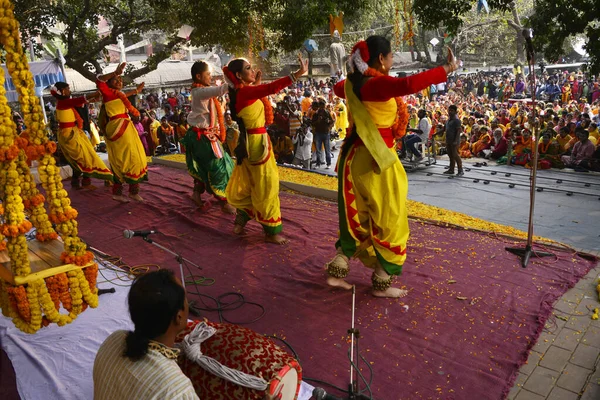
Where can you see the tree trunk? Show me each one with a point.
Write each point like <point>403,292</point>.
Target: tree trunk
<point>425,44</point>
<point>415,46</point>
<point>516,25</point>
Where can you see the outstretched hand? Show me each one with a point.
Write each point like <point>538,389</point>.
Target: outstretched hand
<point>140,87</point>
<point>452,63</point>
<point>120,68</point>
<point>258,78</point>
<point>303,65</point>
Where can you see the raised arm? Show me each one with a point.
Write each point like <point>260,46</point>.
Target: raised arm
<point>249,93</point>
<point>205,93</point>
<point>382,88</point>
<point>116,72</point>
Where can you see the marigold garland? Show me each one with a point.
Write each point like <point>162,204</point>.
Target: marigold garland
<point>269,116</point>
<point>36,304</point>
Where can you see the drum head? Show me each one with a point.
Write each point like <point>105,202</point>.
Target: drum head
<point>289,381</point>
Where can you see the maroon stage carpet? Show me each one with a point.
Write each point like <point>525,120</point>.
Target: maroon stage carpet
<point>468,323</point>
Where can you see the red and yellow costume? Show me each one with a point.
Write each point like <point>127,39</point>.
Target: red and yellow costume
<point>372,194</point>
<point>464,151</point>
<point>74,143</point>
<point>254,185</point>
<point>126,153</point>
<point>522,144</point>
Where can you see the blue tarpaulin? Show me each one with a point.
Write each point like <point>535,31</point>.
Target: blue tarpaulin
<point>45,73</point>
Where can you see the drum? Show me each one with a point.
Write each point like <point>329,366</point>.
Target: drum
<point>230,354</point>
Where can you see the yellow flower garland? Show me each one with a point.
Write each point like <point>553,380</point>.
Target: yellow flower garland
<point>21,195</point>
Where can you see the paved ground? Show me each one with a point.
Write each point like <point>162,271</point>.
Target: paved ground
<point>565,362</point>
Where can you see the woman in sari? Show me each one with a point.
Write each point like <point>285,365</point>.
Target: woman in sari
<point>372,184</point>
<point>254,185</point>
<point>126,153</point>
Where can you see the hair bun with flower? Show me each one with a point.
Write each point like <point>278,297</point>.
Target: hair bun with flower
<point>359,57</point>
<point>54,91</point>
<point>231,79</point>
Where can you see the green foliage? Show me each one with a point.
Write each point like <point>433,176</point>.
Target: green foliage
<point>556,21</point>
<point>286,23</point>
<point>448,13</point>
<point>553,21</point>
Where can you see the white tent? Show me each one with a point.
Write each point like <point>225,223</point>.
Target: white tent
<point>45,73</point>
<point>170,73</point>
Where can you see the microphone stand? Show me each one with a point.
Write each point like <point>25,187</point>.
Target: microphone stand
<point>527,252</point>
<point>353,392</point>
<point>179,258</point>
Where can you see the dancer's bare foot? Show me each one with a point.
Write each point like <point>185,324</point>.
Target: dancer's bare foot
<point>277,239</point>
<point>197,198</point>
<point>390,292</point>
<point>238,229</point>
<point>229,209</point>
<point>338,282</point>
<point>121,198</point>
<point>137,197</point>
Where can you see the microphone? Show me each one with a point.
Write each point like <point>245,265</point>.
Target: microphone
<point>127,234</point>
<point>321,394</point>
<point>528,35</point>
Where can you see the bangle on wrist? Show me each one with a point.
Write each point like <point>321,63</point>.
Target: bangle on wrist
<point>293,77</point>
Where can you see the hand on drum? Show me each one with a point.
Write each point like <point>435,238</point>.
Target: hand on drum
<point>274,396</point>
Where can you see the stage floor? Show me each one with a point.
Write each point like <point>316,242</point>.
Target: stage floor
<point>470,319</point>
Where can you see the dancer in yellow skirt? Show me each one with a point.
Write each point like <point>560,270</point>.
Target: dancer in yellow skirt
<point>73,141</point>
<point>372,184</point>
<point>254,185</point>
<point>126,153</point>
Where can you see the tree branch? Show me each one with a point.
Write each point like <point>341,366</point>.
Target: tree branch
<point>515,26</point>
<point>109,39</point>
<point>82,69</point>
<point>155,59</point>
<point>477,25</point>
<point>73,24</point>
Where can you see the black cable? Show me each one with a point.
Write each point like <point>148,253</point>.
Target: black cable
<point>289,346</point>
<point>221,306</point>
<point>305,378</point>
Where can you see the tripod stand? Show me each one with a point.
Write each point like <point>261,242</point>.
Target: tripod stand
<point>180,259</point>
<point>527,252</point>
<point>353,392</point>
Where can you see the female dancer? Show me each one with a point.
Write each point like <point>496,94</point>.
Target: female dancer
<point>372,184</point>
<point>206,160</point>
<point>254,185</point>
<point>73,141</point>
<point>125,150</point>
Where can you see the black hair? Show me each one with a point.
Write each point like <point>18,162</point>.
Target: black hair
<point>154,300</point>
<point>60,86</point>
<point>198,68</point>
<point>377,45</point>
<point>241,151</point>
<point>453,107</point>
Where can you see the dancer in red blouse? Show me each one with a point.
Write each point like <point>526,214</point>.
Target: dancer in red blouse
<point>372,184</point>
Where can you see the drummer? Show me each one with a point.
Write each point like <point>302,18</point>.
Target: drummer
<point>142,364</point>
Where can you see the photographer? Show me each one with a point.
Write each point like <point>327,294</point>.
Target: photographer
<point>322,124</point>
<point>303,139</point>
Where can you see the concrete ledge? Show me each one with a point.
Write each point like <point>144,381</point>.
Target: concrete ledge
<point>310,190</point>
<point>169,163</point>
